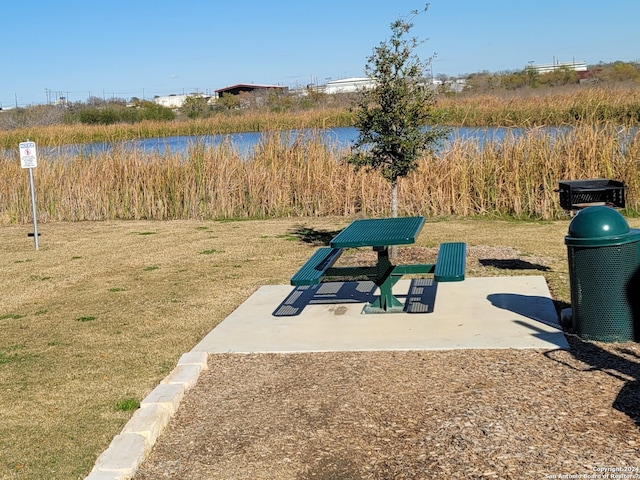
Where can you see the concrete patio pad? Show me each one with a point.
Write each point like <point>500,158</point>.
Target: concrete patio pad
<point>478,313</point>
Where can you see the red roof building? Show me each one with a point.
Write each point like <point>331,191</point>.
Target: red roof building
<point>249,88</point>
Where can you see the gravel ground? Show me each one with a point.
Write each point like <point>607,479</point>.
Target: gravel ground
<point>505,414</point>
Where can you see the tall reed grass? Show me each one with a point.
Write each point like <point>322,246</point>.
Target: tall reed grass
<point>543,107</point>
<point>301,176</point>
<point>230,122</point>
<point>517,109</point>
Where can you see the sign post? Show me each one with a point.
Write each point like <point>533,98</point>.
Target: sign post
<point>29,160</point>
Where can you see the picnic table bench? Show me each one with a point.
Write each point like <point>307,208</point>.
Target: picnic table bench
<point>380,234</point>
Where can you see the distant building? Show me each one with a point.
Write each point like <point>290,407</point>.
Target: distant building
<point>249,88</point>
<point>550,67</point>
<point>176,101</point>
<point>347,85</point>
<point>456,85</point>
<point>171,101</point>
<point>590,76</point>
<point>355,84</point>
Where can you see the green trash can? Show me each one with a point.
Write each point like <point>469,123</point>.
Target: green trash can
<point>603,255</point>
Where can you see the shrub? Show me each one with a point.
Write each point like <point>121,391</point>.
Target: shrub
<point>153,111</point>
<point>112,114</point>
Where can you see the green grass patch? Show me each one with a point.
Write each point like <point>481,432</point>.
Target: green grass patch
<point>127,405</point>
<point>4,359</point>
<point>231,220</point>
<point>151,268</point>
<point>87,318</point>
<point>11,316</point>
<point>165,367</point>
<point>211,251</point>
<point>116,289</point>
<point>38,278</point>
<point>285,236</point>
<point>13,357</point>
<point>145,233</point>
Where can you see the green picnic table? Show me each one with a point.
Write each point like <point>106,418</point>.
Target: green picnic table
<point>380,234</point>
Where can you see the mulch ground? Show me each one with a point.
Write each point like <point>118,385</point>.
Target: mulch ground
<point>507,414</point>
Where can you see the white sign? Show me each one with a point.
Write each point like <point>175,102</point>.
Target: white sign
<point>28,158</point>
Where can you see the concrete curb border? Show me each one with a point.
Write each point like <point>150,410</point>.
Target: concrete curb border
<point>128,450</point>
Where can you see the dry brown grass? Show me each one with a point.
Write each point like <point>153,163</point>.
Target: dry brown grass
<point>539,106</point>
<point>245,121</point>
<point>103,310</point>
<point>517,177</point>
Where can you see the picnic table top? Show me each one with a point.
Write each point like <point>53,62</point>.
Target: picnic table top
<point>379,232</point>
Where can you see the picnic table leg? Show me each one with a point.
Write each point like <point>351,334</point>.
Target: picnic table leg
<point>385,280</point>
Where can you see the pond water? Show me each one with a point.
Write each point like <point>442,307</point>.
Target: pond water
<point>336,138</point>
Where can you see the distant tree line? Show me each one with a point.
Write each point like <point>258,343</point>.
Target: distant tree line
<point>99,112</point>
<point>95,111</point>
<point>617,72</point>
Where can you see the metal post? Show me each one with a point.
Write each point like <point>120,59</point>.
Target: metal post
<point>385,280</point>
<point>33,207</point>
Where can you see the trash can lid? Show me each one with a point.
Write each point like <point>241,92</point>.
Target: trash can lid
<point>597,226</point>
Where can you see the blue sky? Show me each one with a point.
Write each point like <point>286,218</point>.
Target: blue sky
<point>143,48</point>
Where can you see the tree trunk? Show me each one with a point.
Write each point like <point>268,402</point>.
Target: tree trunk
<point>393,250</point>
<point>394,198</point>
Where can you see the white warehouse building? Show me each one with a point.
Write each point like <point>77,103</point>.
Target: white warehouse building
<point>550,67</point>
<point>176,101</point>
<point>347,85</point>
<point>354,84</point>
<point>171,101</point>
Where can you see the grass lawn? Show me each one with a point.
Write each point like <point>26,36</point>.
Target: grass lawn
<point>93,320</point>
